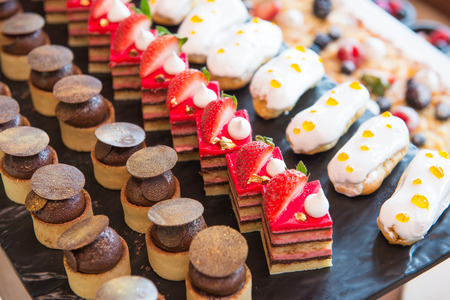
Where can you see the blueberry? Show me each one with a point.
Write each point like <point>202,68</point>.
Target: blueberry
<point>401,14</point>
<point>384,104</point>
<point>442,111</point>
<point>348,67</point>
<point>418,139</point>
<point>322,8</point>
<point>334,32</point>
<point>322,40</point>
<point>418,96</point>
<point>315,48</point>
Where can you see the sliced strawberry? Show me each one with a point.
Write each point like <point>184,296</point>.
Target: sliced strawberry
<point>128,30</point>
<point>157,53</point>
<point>184,85</point>
<point>250,159</point>
<point>100,7</point>
<point>280,191</point>
<point>216,114</point>
<point>266,10</point>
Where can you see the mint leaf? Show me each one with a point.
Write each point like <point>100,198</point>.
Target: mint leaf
<point>205,72</point>
<point>302,168</point>
<point>265,139</point>
<point>145,8</point>
<point>230,96</point>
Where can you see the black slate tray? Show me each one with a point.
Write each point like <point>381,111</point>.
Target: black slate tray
<point>364,264</point>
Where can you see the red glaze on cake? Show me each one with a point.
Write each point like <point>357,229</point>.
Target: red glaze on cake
<point>98,22</point>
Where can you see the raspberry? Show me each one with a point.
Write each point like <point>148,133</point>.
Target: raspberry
<point>351,49</point>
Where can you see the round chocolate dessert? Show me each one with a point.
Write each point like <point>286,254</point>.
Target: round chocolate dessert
<point>8,8</point>
<point>4,90</point>
<point>10,113</point>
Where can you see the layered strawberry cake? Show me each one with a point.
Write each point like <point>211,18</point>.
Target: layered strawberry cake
<point>220,130</point>
<point>55,11</point>
<point>297,227</point>
<point>77,26</point>
<point>104,18</point>
<point>248,169</point>
<point>127,45</point>
<point>189,93</point>
<point>170,12</point>
<point>160,62</point>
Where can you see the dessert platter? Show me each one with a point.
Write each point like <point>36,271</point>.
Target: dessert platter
<point>363,263</point>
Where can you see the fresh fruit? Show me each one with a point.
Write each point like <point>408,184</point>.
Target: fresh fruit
<point>351,49</point>
<point>418,139</point>
<point>396,8</point>
<point>250,159</point>
<point>280,191</point>
<point>100,7</point>
<point>322,8</point>
<point>418,96</point>
<point>384,104</point>
<point>348,67</point>
<point>157,52</point>
<point>128,30</point>
<point>335,32</point>
<point>440,37</point>
<point>184,85</point>
<point>442,111</point>
<point>266,10</point>
<point>216,114</point>
<point>376,82</point>
<point>322,40</point>
<point>408,115</point>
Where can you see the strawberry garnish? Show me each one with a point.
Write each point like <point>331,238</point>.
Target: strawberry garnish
<point>251,158</point>
<point>128,30</point>
<point>280,191</point>
<point>100,7</point>
<point>184,85</point>
<point>157,53</point>
<point>266,10</point>
<point>216,114</point>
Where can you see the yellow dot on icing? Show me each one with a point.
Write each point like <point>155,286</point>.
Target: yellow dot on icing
<point>301,48</point>
<point>386,114</point>
<point>332,92</point>
<point>417,181</point>
<point>355,85</point>
<point>255,20</point>
<point>296,130</point>
<point>437,171</point>
<point>213,11</point>
<point>313,111</point>
<point>220,50</point>
<point>402,217</point>
<point>368,134</point>
<point>320,60</point>
<point>308,126</point>
<point>192,32</point>
<point>296,68</point>
<point>364,148</point>
<point>210,0</point>
<point>288,57</point>
<point>349,169</point>
<point>342,157</point>
<point>196,19</point>
<point>430,155</point>
<point>270,71</point>
<point>240,32</point>
<point>389,126</point>
<point>237,44</point>
<point>420,201</point>
<point>332,102</point>
<point>444,154</point>
<point>153,1</point>
<point>275,84</point>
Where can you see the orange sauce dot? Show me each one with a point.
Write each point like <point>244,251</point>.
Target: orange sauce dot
<point>437,171</point>
<point>296,67</point>
<point>368,134</point>
<point>364,148</point>
<point>192,32</point>
<point>355,85</point>
<point>255,20</point>
<point>296,130</point>
<point>417,181</point>
<point>240,32</point>
<point>430,155</point>
<point>270,71</point>
<point>320,60</point>
<point>386,114</point>
<point>301,48</point>
<point>332,102</point>
<point>313,111</point>
<point>389,126</point>
<point>402,217</point>
<point>349,169</point>
<point>420,201</point>
<point>220,50</point>
<point>342,157</point>
<point>308,126</point>
<point>444,154</point>
<point>275,84</point>
<point>196,19</point>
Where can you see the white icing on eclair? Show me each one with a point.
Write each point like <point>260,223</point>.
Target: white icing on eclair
<point>312,127</point>
<point>286,77</point>
<point>204,25</point>
<point>245,48</point>
<point>422,195</point>
<point>174,10</point>
<point>375,141</point>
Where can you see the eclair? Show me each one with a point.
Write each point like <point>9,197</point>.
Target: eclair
<point>170,12</point>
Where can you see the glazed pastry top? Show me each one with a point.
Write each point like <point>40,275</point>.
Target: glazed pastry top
<point>422,195</point>
<point>312,128</point>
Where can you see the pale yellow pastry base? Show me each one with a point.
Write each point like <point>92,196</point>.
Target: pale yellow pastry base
<point>158,19</point>
<point>261,109</point>
<point>232,83</point>
<point>44,102</point>
<point>100,68</point>
<point>15,67</point>
<point>56,18</point>
<point>110,177</point>
<point>17,189</point>
<point>48,233</point>
<point>168,265</point>
<point>189,156</point>
<point>136,216</point>
<point>157,125</point>
<point>216,190</point>
<point>127,95</point>
<point>245,293</point>
<point>395,239</point>
<point>78,41</point>
<point>197,59</point>
<point>83,139</point>
<point>86,285</point>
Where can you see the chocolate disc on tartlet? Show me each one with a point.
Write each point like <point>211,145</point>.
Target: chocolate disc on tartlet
<point>9,109</point>
<point>175,212</point>
<point>128,287</point>
<point>218,251</point>
<point>49,58</point>
<point>120,134</point>
<point>24,23</point>
<point>4,89</point>
<point>75,89</point>
<point>35,204</point>
<point>152,161</point>
<point>83,233</point>
<point>23,141</point>
<point>57,181</point>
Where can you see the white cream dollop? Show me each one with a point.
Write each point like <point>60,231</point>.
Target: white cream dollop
<point>373,107</point>
<point>428,78</point>
<point>292,18</point>
<point>144,38</point>
<point>275,166</point>
<point>316,205</point>
<point>203,96</point>
<point>118,12</point>
<point>174,64</point>
<point>375,48</point>
<point>239,128</point>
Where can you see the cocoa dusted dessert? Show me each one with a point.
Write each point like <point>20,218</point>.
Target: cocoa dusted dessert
<point>10,114</point>
<point>217,268</point>
<point>81,110</point>
<point>93,254</point>
<point>9,8</point>
<point>116,143</point>
<point>49,64</point>
<point>26,150</point>
<point>57,201</point>
<point>129,287</point>
<point>20,34</point>
<point>175,223</point>
<point>151,181</point>
<point>4,90</point>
